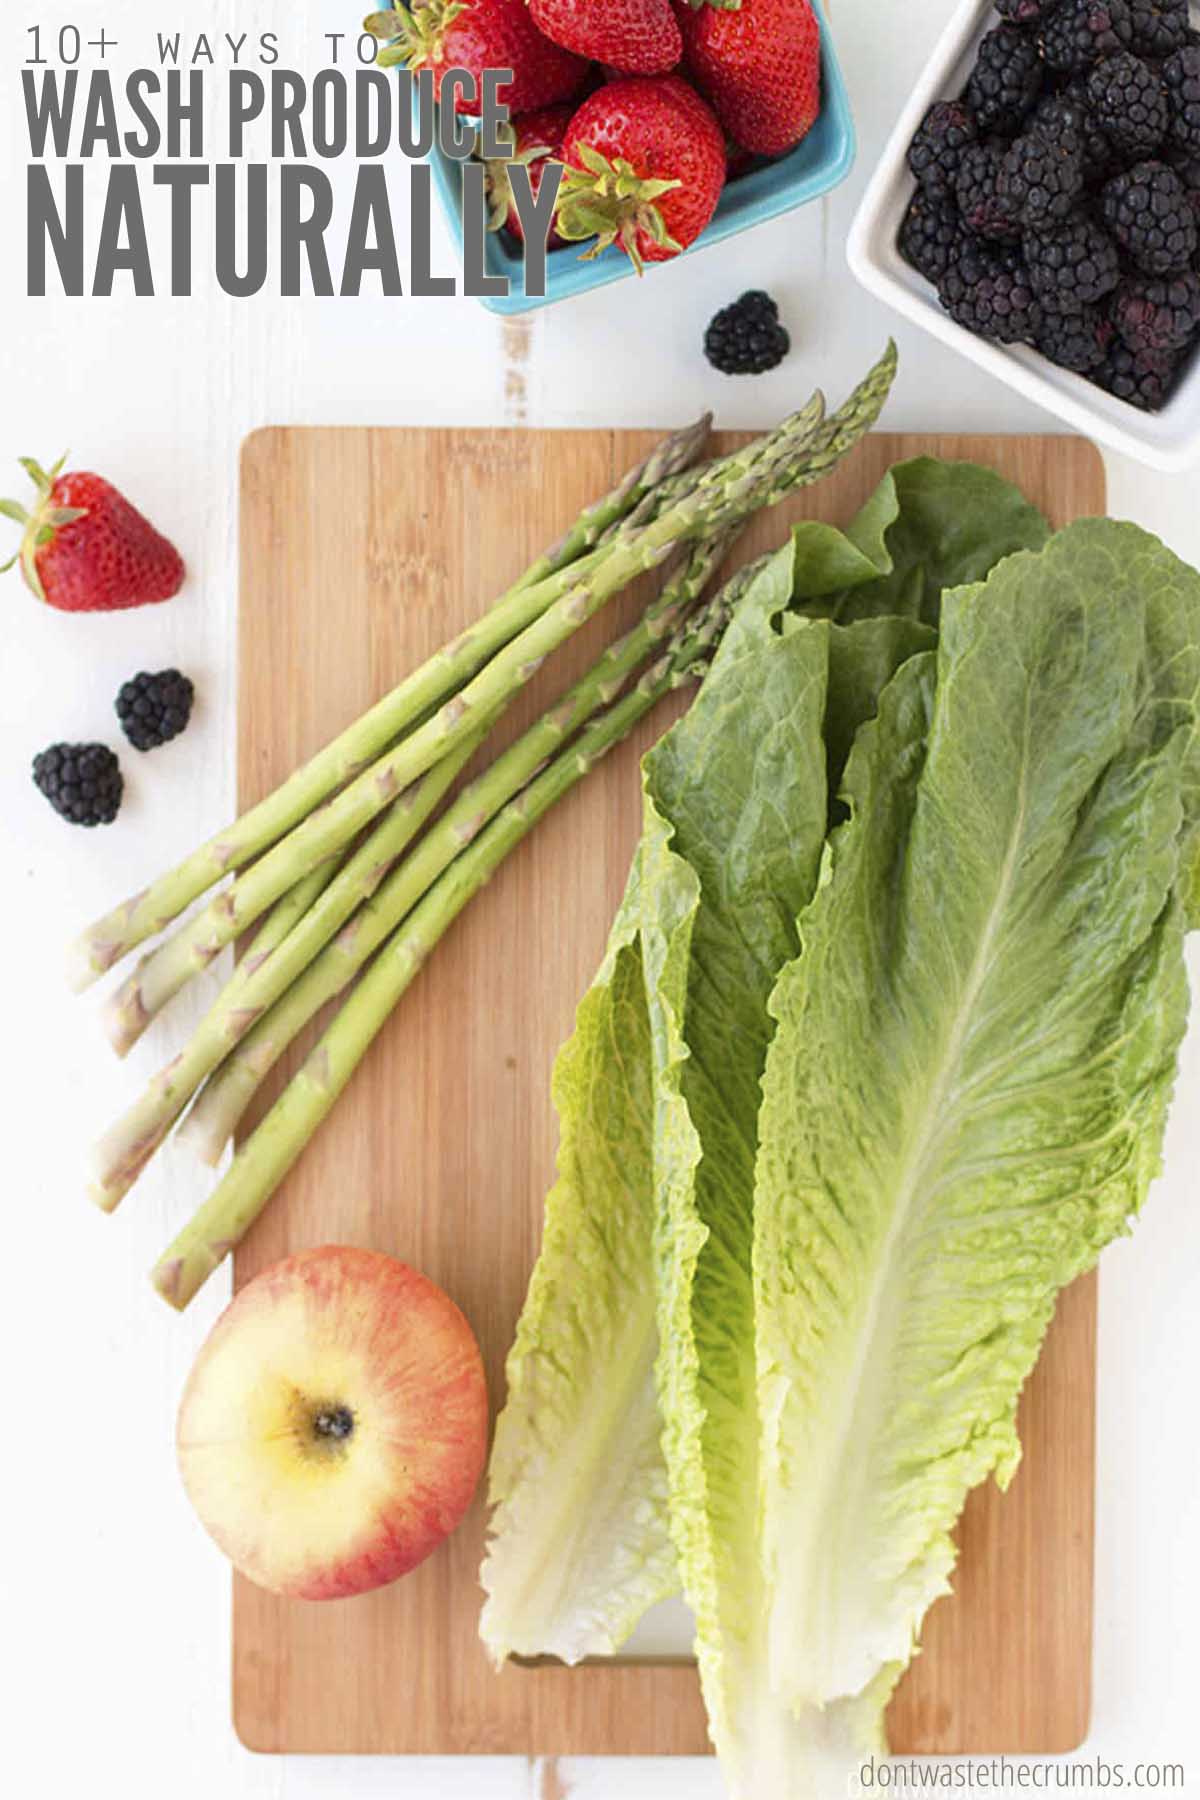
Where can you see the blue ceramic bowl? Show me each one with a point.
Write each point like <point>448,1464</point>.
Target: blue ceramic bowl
<point>816,165</point>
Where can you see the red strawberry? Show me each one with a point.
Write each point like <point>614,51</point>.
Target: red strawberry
<point>86,549</point>
<point>760,66</point>
<point>537,139</point>
<point>639,37</point>
<point>645,168</point>
<point>476,35</point>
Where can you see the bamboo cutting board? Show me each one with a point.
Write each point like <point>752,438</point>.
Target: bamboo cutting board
<point>362,552</point>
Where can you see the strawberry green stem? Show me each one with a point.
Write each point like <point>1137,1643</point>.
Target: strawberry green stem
<point>39,525</point>
<point>413,35</point>
<point>609,202</point>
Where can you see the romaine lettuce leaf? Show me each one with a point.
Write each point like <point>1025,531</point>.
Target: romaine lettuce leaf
<point>737,802</point>
<point>579,1541</point>
<point>929,526</point>
<point>965,1097</point>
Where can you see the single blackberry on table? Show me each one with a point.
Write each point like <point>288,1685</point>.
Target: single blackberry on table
<point>1159,26</point>
<point>82,782</point>
<point>1076,341</point>
<point>1005,81</point>
<point>746,337</point>
<point>1181,79</point>
<point>1041,176</point>
<point>1072,265</point>
<point>1148,211</point>
<point>1079,32</point>
<point>983,203</point>
<point>936,150</point>
<point>153,709</point>
<point>1129,104</point>
<point>1067,113</point>
<point>1158,316</point>
<point>998,303</point>
<point>1141,377</point>
<point>931,237</point>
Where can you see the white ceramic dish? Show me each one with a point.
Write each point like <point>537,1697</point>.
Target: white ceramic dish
<point>1168,440</point>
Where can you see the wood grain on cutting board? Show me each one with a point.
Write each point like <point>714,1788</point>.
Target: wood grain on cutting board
<point>361,552</point>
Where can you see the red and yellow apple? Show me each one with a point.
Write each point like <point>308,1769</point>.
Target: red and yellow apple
<point>334,1427</point>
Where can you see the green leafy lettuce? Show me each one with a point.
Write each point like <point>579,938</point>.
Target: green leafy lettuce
<point>580,1542</point>
<point>878,1058</point>
<point>965,1098</point>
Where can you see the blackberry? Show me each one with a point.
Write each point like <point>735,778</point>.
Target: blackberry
<point>1079,32</point>
<point>982,201</point>
<point>1181,78</point>
<point>1042,176</point>
<point>1068,112</point>
<point>1148,211</point>
<point>1158,316</point>
<point>930,237</point>
<point>1000,304</point>
<point>1159,26</point>
<point>1024,12</point>
<point>1072,266</point>
<point>82,782</point>
<point>1129,104</point>
<point>1141,377</point>
<point>746,338</point>
<point>1188,170</point>
<point>1005,81</point>
<point>934,154</point>
<point>978,258</point>
<point>1076,341</point>
<point>153,709</point>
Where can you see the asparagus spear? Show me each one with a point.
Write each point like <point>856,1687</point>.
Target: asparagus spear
<point>121,1155</point>
<point>282,918</point>
<point>269,1153</point>
<point>798,452</point>
<point>104,944</point>
<point>220,1106</point>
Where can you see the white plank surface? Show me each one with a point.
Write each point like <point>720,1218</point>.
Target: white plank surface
<point>114,1605</point>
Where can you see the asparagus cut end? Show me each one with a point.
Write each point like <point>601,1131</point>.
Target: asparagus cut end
<point>103,1197</point>
<point>87,961</point>
<point>206,1141</point>
<point>167,1277</point>
<point>124,1018</point>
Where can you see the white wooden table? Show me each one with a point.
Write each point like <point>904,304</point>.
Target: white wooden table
<point>114,1607</point>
